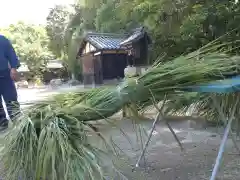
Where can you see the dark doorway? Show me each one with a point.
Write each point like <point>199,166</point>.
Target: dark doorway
<point>113,65</point>
<point>98,77</point>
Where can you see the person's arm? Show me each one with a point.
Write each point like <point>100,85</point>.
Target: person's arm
<point>12,58</point>
<point>11,55</point>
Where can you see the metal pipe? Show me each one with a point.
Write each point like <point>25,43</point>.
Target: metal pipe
<point>221,150</point>
<point>224,140</point>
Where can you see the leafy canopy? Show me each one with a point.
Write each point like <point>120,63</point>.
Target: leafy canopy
<point>31,45</point>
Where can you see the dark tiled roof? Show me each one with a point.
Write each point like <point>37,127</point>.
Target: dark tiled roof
<point>137,34</point>
<point>104,40</point>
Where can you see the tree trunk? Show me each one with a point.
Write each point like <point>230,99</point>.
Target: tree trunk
<point>73,76</point>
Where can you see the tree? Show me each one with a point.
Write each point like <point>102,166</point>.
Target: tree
<point>210,20</point>
<point>176,26</point>
<point>66,28</point>
<point>60,35</point>
<point>31,45</point>
<point>57,20</point>
<point>115,16</point>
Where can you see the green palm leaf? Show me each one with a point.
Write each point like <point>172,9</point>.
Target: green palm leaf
<point>52,139</point>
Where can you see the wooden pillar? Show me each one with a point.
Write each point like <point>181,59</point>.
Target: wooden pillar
<point>98,77</point>
<point>124,113</point>
<point>88,79</point>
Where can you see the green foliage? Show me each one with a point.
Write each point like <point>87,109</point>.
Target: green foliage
<point>73,64</point>
<point>53,146</point>
<point>176,27</point>
<point>31,45</point>
<point>208,21</point>
<point>62,32</point>
<point>57,21</point>
<point>115,16</point>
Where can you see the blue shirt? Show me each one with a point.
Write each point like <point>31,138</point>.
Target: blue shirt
<point>7,55</point>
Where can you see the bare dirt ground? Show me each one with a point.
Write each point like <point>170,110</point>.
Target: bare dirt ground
<point>164,159</point>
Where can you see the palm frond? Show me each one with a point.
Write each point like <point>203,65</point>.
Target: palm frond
<point>52,138</point>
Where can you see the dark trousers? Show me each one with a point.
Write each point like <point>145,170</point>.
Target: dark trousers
<point>9,94</point>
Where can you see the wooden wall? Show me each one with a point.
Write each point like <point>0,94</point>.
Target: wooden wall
<point>87,68</point>
<point>103,66</point>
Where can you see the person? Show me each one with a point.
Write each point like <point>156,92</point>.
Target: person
<point>8,75</point>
